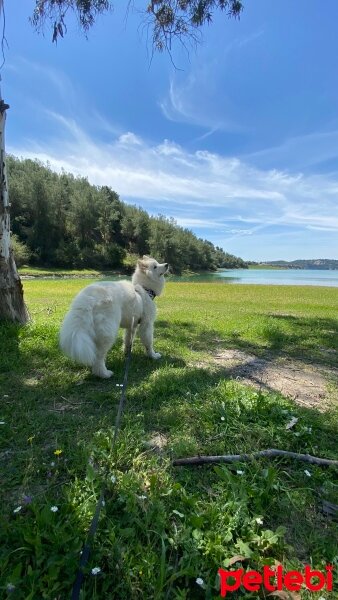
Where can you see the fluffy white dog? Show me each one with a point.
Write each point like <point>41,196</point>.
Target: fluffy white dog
<point>90,327</point>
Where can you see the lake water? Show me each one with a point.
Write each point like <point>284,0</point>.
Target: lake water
<point>268,277</point>
<point>247,276</point>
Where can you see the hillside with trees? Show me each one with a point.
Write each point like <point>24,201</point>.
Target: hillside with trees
<point>316,263</point>
<point>63,221</point>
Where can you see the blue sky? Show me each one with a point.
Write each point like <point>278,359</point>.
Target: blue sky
<point>238,141</point>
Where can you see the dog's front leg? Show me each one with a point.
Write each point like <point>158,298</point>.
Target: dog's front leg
<point>146,335</point>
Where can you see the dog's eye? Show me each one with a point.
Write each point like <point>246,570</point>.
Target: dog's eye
<point>155,266</point>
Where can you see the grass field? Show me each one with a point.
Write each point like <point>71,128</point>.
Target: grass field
<point>163,528</point>
<point>54,272</point>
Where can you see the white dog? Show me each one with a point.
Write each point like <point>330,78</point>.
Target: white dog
<point>90,327</point>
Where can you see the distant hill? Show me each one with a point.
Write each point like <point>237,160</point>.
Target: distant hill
<point>318,263</point>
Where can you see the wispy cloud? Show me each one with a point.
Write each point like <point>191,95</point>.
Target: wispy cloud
<point>300,152</point>
<point>194,97</point>
<point>193,101</point>
<point>203,189</point>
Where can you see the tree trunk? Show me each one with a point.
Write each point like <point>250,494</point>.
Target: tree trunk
<point>12,306</point>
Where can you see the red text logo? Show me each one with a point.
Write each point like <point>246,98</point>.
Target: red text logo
<point>275,579</point>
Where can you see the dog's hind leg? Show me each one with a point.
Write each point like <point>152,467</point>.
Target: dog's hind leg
<point>105,338</point>
<point>99,367</point>
<point>128,339</point>
<point>146,336</point>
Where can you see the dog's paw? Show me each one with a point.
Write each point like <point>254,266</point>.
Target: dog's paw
<point>156,355</point>
<point>107,374</point>
<point>103,373</point>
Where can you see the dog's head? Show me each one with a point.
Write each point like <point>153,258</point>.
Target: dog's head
<point>154,270</point>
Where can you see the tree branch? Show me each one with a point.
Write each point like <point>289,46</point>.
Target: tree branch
<point>271,453</point>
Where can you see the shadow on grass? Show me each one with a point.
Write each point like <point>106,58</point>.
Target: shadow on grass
<point>9,345</point>
<point>311,338</point>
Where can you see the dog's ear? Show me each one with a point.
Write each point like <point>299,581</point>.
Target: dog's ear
<point>146,257</point>
<point>141,264</point>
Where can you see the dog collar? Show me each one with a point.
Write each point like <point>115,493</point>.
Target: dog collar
<point>150,293</point>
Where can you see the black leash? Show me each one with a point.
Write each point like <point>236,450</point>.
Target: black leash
<point>95,520</point>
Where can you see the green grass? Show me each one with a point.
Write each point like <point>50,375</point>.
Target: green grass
<point>163,527</point>
<point>58,272</point>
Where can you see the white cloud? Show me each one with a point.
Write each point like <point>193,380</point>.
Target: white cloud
<point>202,190</point>
<point>188,102</point>
<point>194,98</point>
<point>300,151</point>
<point>129,139</point>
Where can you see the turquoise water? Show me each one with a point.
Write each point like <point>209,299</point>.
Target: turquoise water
<point>268,277</point>
<point>255,276</point>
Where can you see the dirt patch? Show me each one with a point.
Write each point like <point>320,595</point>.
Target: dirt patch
<point>157,442</point>
<point>305,384</point>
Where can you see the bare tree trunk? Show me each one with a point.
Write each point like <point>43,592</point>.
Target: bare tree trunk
<point>12,306</point>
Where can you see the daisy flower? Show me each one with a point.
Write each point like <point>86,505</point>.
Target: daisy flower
<point>10,587</point>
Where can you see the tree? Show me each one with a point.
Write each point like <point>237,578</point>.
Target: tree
<point>12,306</point>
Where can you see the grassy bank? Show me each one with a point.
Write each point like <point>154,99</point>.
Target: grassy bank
<point>163,527</point>
<point>28,271</point>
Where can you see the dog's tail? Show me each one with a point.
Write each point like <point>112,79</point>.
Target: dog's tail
<point>77,336</point>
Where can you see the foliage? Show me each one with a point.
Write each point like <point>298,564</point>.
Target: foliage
<point>65,221</point>
<point>161,528</point>
<point>56,10</point>
<point>182,19</point>
<point>22,254</point>
<point>169,19</point>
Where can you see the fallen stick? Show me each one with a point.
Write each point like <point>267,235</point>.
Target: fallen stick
<point>271,453</point>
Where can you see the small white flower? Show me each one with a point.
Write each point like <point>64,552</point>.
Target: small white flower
<point>2,422</point>
<point>239,472</point>
<point>54,508</point>
<point>52,464</point>
<point>17,509</point>
<point>259,520</point>
<point>143,497</point>
<point>307,473</point>
<point>199,581</point>
<point>10,587</point>
<point>222,418</point>
<point>6,396</point>
<point>96,570</point>
<point>113,478</point>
